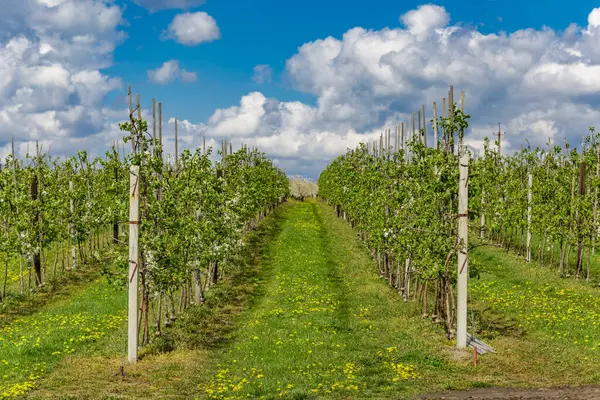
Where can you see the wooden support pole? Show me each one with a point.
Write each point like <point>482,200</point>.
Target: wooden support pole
<point>154,126</point>
<point>451,116</point>
<point>445,138</point>
<point>134,259</point>
<point>130,117</point>
<point>582,173</point>
<point>499,141</point>
<point>403,141</point>
<point>529,201</point>
<point>176,148</point>
<point>160,141</point>
<point>424,125</point>
<point>15,183</point>
<point>463,261</point>
<point>72,228</point>
<point>435,127</point>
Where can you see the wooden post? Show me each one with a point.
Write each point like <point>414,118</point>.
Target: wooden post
<point>424,125</point>
<point>134,258</point>
<point>176,149</point>
<point>14,168</point>
<point>154,126</point>
<point>529,201</point>
<point>403,140</point>
<point>445,138</point>
<point>35,195</point>
<point>482,223</point>
<point>451,116</point>
<point>462,109</point>
<point>595,209</point>
<point>499,141</point>
<point>435,127</point>
<point>131,116</point>
<point>73,231</point>
<point>160,142</point>
<point>582,172</point>
<point>463,261</point>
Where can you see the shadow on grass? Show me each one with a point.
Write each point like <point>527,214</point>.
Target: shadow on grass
<point>212,324</point>
<point>55,289</point>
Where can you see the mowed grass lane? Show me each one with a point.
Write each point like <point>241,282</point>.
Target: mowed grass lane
<point>31,345</point>
<point>327,326</point>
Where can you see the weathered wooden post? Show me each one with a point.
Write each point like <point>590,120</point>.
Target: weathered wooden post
<point>463,261</point>
<point>529,200</point>
<point>134,258</point>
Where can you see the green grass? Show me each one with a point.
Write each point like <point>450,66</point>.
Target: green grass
<point>32,344</point>
<point>305,315</point>
<point>170,366</point>
<point>519,305</point>
<point>328,327</point>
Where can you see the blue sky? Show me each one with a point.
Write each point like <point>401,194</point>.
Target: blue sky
<point>270,31</point>
<point>342,72</point>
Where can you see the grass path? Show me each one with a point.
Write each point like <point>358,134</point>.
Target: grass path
<point>328,326</point>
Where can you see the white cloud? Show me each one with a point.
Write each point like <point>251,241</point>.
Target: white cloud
<point>51,53</point>
<point>425,19</point>
<point>169,72</point>
<point>594,18</point>
<point>156,5</point>
<point>540,84</point>
<point>191,29</point>
<point>262,74</point>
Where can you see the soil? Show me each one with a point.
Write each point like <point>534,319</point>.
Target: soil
<point>559,393</point>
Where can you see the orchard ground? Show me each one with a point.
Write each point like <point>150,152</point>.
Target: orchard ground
<point>306,316</point>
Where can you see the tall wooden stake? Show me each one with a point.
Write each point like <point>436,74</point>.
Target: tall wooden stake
<point>154,126</point>
<point>424,125</point>
<point>499,141</point>
<point>134,258</point>
<point>176,148</point>
<point>160,142</point>
<point>14,168</point>
<point>529,201</point>
<point>463,261</point>
<point>72,229</point>
<point>482,223</point>
<point>435,127</point>
<point>582,173</point>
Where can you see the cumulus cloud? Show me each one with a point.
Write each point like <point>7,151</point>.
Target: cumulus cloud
<point>530,80</point>
<point>51,55</point>
<point>169,72</point>
<point>156,5</point>
<point>191,29</point>
<point>262,74</point>
<point>425,19</point>
<point>540,84</point>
